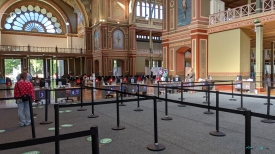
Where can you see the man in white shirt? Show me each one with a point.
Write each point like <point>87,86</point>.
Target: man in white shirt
<point>29,77</point>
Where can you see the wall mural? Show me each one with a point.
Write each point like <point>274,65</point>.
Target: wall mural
<point>96,40</point>
<point>184,12</point>
<point>118,40</point>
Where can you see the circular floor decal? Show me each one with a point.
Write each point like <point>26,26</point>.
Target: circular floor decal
<point>40,107</point>
<point>89,139</point>
<point>34,117</point>
<point>67,125</point>
<point>61,111</point>
<point>68,111</point>
<point>2,131</point>
<point>52,128</point>
<point>32,152</point>
<point>34,107</point>
<point>105,140</point>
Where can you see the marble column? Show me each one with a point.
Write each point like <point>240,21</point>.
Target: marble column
<point>259,56</point>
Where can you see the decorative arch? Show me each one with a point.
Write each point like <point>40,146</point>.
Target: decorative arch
<point>118,39</point>
<point>182,55</point>
<point>11,5</point>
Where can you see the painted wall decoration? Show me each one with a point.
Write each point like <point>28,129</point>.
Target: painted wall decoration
<point>184,12</point>
<point>118,40</point>
<point>118,9</point>
<point>96,40</point>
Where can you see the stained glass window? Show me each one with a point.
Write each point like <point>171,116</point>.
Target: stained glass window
<point>33,19</point>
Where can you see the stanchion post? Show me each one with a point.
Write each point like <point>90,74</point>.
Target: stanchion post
<point>248,147</point>
<point>81,100</point>
<point>32,120</point>
<point>121,95</point>
<point>241,108</point>
<point>46,109</point>
<point>206,93</point>
<point>95,139</point>
<point>181,96</point>
<point>158,92</point>
<point>217,132</point>
<point>138,109</point>
<point>93,114</point>
<point>117,127</point>
<point>166,107</point>
<point>155,146</point>
<point>268,108</point>
<point>268,98</point>
<point>232,99</point>
<point>208,100</point>
<point>56,124</point>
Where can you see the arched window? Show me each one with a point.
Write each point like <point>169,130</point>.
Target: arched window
<point>153,10</point>
<point>147,9</point>
<point>156,11</point>
<point>33,19</point>
<point>138,9</point>
<point>143,13</point>
<point>160,12</point>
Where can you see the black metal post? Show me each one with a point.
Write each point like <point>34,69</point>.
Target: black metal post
<point>32,120</point>
<point>241,108</point>
<point>181,96</point>
<point>46,110</point>
<point>166,107</point>
<point>95,140</point>
<point>248,147</point>
<point>93,114</point>
<point>138,109</point>
<point>155,146</point>
<point>158,92</point>
<point>117,127</point>
<point>81,100</point>
<point>217,132</point>
<point>56,124</point>
<point>232,99</point>
<point>121,95</point>
<point>208,100</point>
<point>268,107</point>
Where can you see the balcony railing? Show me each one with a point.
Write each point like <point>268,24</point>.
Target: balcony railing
<point>147,51</point>
<point>239,12</point>
<point>40,49</point>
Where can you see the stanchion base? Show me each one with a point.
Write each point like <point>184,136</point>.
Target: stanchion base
<point>118,128</point>
<point>241,108</point>
<point>268,121</point>
<point>205,103</point>
<point>181,105</point>
<point>215,133</point>
<point>233,99</point>
<point>93,116</point>
<point>182,99</point>
<point>154,147</point>
<point>122,105</point>
<point>166,118</point>
<point>208,112</point>
<point>159,100</point>
<point>81,109</point>
<point>138,109</point>
<point>267,103</point>
<point>45,122</point>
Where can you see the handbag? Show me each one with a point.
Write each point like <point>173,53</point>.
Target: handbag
<point>24,97</point>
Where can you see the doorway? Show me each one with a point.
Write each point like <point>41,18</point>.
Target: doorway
<point>12,68</point>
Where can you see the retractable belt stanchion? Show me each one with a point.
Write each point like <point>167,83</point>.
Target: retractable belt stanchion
<point>95,140</point>
<point>208,101</point>
<point>248,146</point>
<point>121,95</point>
<point>232,99</point>
<point>241,108</point>
<point>46,110</point>
<point>166,107</point>
<point>268,108</point>
<point>92,115</point>
<point>32,120</point>
<point>267,99</point>
<point>81,100</point>
<point>206,93</point>
<point>158,92</point>
<point>217,132</point>
<point>138,109</point>
<point>155,146</point>
<point>181,96</point>
<point>117,127</point>
<point>56,131</point>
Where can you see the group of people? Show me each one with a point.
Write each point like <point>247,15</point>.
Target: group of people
<point>23,87</point>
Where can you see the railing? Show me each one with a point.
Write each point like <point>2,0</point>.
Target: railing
<point>239,12</point>
<point>40,49</point>
<point>147,51</point>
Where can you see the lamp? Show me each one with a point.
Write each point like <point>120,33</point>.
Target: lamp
<point>67,23</point>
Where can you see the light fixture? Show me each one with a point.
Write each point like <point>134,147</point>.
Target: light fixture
<point>67,23</point>
<point>118,22</point>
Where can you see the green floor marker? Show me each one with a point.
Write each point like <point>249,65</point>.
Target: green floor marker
<point>74,103</point>
<point>40,107</point>
<point>34,117</point>
<point>34,107</point>
<point>52,128</point>
<point>67,125</point>
<point>68,111</point>
<point>89,139</point>
<point>105,140</point>
<point>61,111</point>
<point>2,131</point>
<point>32,152</point>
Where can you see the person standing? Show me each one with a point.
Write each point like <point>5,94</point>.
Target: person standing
<point>29,77</point>
<point>24,87</point>
<point>191,78</point>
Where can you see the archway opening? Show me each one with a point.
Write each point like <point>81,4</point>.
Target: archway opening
<point>183,63</point>
<point>118,67</point>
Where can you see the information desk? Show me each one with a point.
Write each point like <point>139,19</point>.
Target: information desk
<point>106,93</point>
<point>67,92</point>
<point>154,90</point>
<point>247,86</point>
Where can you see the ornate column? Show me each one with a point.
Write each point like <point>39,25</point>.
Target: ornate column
<point>132,49</point>
<point>259,55</point>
